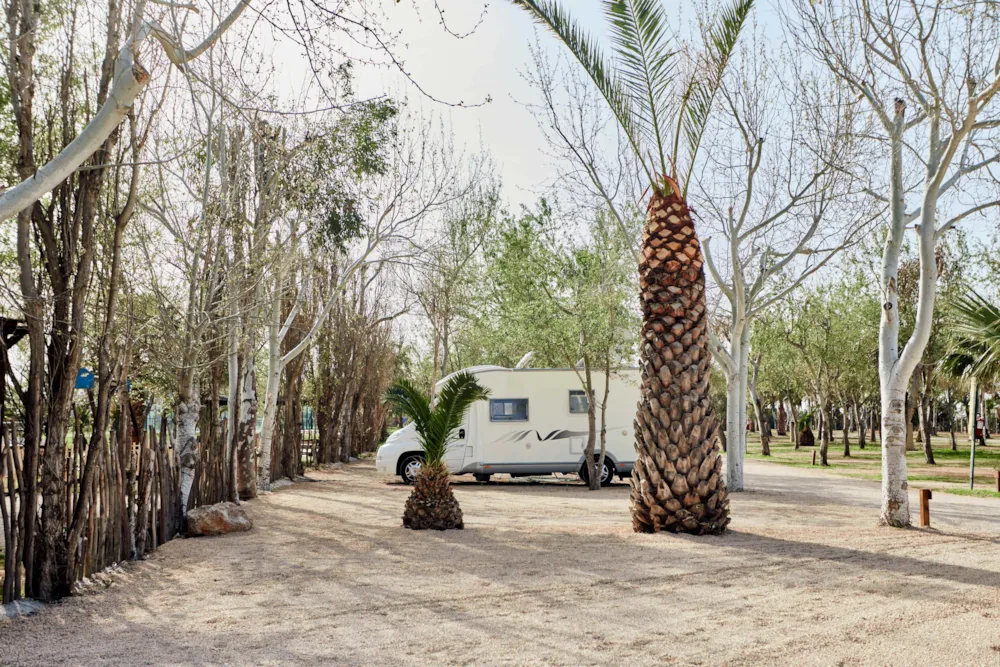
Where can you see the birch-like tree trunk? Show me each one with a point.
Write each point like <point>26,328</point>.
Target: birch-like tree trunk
<point>861,416</point>
<point>188,412</point>
<point>232,401</point>
<point>594,478</point>
<point>793,410</point>
<point>737,367</point>
<point>129,80</point>
<point>274,370</point>
<point>246,473</point>
<point>951,90</point>
<point>845,434</point>
<point>926,417</point>
<point>825,430</point>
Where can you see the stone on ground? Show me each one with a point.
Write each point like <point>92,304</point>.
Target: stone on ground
<point>218,519</point>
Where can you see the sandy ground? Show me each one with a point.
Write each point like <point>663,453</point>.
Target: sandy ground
<point>549,574</point>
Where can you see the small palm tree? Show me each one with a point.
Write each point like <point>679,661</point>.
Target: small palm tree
<point>662,102</point>
<point>975,345</point>
<point>432,503</point>
<point>975,325</point>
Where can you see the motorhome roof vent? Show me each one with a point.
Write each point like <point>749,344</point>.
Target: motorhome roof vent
<point>524,360</point>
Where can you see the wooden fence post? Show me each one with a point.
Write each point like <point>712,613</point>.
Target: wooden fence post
<point>925,508</point>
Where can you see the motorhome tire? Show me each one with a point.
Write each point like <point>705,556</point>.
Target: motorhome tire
<point>481,478</point>
<point>409,467</point>
<point>607,473</point>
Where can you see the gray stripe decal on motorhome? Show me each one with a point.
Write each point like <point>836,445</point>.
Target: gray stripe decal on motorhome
<point>518,436</point>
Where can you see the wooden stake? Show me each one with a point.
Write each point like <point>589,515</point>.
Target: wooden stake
<point>925,508</point>
<point>996,475</point>
<point>814,457</point>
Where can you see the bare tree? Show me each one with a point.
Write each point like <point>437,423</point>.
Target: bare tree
<point>422,177</point>
<point>447,269</point>
<point>943,60</point>
<point>127,78</point>
<point>770,190</point>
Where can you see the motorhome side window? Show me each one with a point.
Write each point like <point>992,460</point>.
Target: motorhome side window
<point>577,402</point>
<point>508,409</point>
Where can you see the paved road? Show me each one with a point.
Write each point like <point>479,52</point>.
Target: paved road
<point>813,486</point>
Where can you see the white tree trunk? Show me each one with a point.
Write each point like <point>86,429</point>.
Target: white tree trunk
<point>246,477</point>
<point>187,443</point>
<point>736,409</point>
<point>734,437</point>
<point>895,489</point>
<point>895,369</point>
<point>275,365</point>
<point>130,80</point>
<point>232,410</point>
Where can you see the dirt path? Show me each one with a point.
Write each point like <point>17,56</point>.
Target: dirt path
<point>549,574</point>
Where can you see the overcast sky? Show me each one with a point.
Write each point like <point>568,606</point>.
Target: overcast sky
<point>487,63</point>
<point>490,63</point>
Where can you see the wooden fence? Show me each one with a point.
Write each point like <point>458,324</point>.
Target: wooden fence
<point>133,507</point>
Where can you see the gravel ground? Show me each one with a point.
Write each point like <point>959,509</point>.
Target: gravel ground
<point>548,574</point>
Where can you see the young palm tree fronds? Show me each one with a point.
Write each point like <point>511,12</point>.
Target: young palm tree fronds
<point>676,482</point>
<point>976,351</point>
<point>432,503</point>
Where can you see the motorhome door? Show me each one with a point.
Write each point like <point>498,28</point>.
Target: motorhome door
<point>455,455</point>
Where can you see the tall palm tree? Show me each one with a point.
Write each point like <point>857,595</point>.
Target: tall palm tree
<point>663,111</point>
<point>431,504</point>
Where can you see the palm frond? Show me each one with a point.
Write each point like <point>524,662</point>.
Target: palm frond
<point>699,94</point>
<point>956,363</point>
<point>976,327</point>
<point>453,401</point>
<point>436,425</point>
<point>585,48</point>
<point>413,403</point>
<point>645,57</point>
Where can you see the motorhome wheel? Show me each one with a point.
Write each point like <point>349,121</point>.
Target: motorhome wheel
<point>409,468</point>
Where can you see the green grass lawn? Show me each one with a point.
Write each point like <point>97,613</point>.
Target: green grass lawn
<point>950,474</point>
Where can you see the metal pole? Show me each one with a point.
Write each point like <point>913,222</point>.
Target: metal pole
<point>975,425</point>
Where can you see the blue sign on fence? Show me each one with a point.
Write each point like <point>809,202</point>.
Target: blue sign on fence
<point>85,379</point>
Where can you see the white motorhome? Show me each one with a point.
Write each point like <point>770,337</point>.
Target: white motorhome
<point>534,423</point>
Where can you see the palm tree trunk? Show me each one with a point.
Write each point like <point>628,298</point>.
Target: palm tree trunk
<point>432,505</point>
<point>676,483</point>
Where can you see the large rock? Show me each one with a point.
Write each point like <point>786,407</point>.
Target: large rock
<point>217,519</point>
